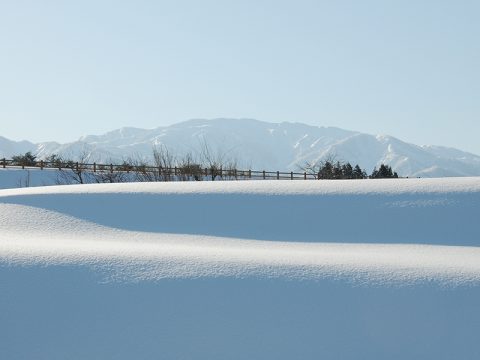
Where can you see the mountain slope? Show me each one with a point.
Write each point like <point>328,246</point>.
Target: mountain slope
<point>10,147</point>
<point>262,145</point>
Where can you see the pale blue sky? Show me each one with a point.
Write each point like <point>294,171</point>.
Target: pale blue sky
<point>410,69</point>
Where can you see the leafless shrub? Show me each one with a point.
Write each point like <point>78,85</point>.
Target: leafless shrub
<point>315,167</point>
<point>140,170</point>
<point>218,163</point>
<point>110,177</point>
<point>74,172</point>
<point>164,162</point>
<point>189,169</point>
<point>110,173</point>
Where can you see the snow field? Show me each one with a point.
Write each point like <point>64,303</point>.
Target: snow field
<point>148,231</point>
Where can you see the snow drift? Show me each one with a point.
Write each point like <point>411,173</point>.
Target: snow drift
<point>375,230</point>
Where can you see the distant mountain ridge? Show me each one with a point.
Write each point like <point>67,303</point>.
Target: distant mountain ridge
<point>262,145</point>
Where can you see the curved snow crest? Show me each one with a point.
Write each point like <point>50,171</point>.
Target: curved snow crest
<point>268,187</point>
<point>415,211</point>
<point>33,236</point>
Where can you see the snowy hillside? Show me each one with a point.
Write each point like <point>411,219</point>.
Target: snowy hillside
<point>261,145</point>
<point>254,269</point>
<point>163,223</point>
<point>211,270</point>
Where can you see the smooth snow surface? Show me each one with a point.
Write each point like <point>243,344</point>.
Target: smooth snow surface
<point>386,231</point>
<point>274,270</point>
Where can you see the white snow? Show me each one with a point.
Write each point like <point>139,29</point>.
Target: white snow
<point>269,187</point>
<point>158,230</point>
<point>285,148</point>
<point>240,270</point>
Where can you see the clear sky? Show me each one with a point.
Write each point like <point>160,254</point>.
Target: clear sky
<point>407,68</point>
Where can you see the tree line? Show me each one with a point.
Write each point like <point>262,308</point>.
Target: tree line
<point>187,168</point>
<point>330,169</point>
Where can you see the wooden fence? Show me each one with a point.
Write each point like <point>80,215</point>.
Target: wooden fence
<point>194,171</point>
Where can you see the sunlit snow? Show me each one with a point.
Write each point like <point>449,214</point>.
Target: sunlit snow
<point>300,229</point>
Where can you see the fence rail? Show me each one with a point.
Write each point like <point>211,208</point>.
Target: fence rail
<point>194,171</point>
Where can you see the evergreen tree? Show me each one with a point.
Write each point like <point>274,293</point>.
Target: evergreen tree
<point>384,172</point>
<point>337,171</point>
<point>28,159</point>
<point>347,171</point>
<point>326,172</point>
<point>358,173</point>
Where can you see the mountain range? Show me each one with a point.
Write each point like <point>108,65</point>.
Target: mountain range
<point>261,145</point>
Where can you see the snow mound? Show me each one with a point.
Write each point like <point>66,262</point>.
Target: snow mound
<point>388,231</point>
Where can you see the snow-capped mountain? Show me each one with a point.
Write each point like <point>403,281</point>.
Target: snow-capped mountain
<point>261,145</point>
<point>9,147</point>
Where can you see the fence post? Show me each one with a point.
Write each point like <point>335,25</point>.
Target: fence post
<point>4,163</point>
<point>263,174</point>
<point>94,167</point>
<point>41,164</point>
<point>249,174</point>
<point>111,168</point>
<point>291,175</point>
<point>305,176</point>
<point>278,175</point>
<point>175,171</point>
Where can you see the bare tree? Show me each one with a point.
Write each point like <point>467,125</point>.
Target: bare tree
<point>140,171</point>
<point>166,167</point>
<point>164,162</point>
<point>74,172</point>
<point>318,166</point>
<point>162,170</point>
<point>217,162</point>
<point>54,161</point>
<point>189,169</point>
<point>112,174</point>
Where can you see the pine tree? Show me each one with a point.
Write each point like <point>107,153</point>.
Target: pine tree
<point>28,159</point>
<point>358,173</point>
<point>347,171</point>
<point>384,172</point>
